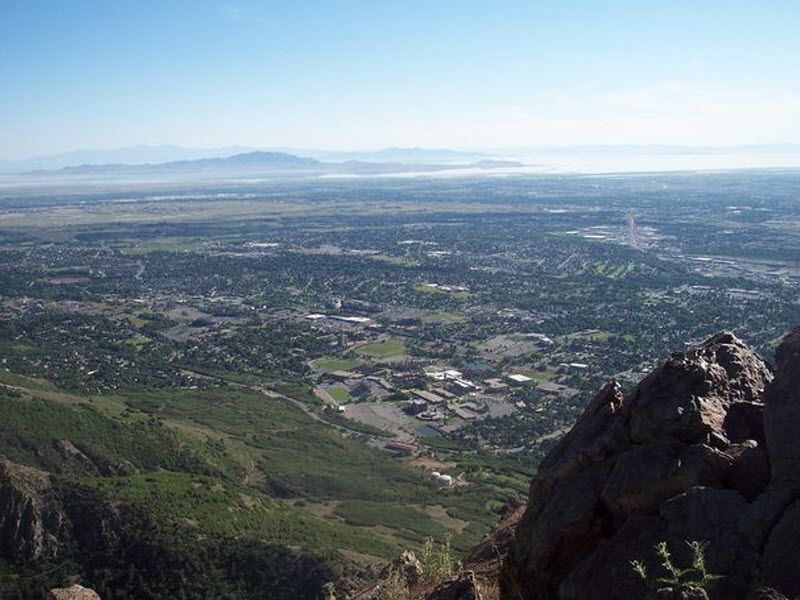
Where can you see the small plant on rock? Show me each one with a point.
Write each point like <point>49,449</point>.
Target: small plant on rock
<point>696,576</point>
<point>437,560</point>
<point>393,588</point>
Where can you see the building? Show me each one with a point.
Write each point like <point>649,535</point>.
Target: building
<point>415,407</point>
<point>439,391</point>
<point>556,389</point>
<point>518,379</point>
<point>343,375</point>
<point>495,385</point>
<point>428,396</point>
<point>401,447</point>
<point>459,387</point>
<point>445,375</point>
<point>445,480</point>
<point>352,320</point>
<point>361,390</point>
<point>541,339</point>
<point>464,413</point>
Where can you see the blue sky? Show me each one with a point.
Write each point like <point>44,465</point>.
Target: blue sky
<point>367,74</point>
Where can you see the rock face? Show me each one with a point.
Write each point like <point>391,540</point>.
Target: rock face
<point>74,592</point>
<point>706,448</point>
<point>29,525</point>
<point>405,571</point>
<point>463,587</point>
<point>38,521</point>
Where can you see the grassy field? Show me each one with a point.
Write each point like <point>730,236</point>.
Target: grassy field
<point>10,378</point>
<point>614,271</point>
<point>382,349</point>
<point>408,522</point>
<point>214,507</point>
<point>339,394</point>
<point>538,375</point>
<point>44,433</point>
<point>426,289</point>
<point>326,364</point>
<point>296,455</point>
<point>442,317</point>
<point>598,336</point>
<point>401,261</point>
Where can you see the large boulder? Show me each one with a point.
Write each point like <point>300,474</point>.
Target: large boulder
<point>705,449</point>
<point>74,592</point>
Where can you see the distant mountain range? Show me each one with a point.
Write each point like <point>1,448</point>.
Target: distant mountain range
<point>165,158</point>
<point>130,155</point>
<point>138,155</point>
<point>261,162</point>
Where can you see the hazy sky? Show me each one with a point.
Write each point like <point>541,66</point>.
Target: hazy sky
<point>376,73</point>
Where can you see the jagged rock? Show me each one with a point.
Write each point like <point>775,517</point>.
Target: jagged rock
<point>682,592</point>
<point>781,414</point>
<point>750,471</point>
<point>405,567</point>
<point>646,476</point>
<point>74,592</point>
<point>780,568</point>
<point>72,454</point>
<point>36,520</point>
<point>711,515</point>
<point>29,525</point>
<point>464,587</point>
<point>781,422</point>
<point>744,421</point>
<point>766,593</point>
<point>688,397</point>
<point>686,455</point>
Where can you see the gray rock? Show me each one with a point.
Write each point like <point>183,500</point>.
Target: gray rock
<point>676,459</point>
<point>74,592</point>
<point>29,525</point>
<point>682,592</point>
<point>464,587</point>
<point>750,471</point>
<point>780,565</point>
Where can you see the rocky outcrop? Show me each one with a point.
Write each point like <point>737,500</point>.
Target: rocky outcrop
<point>682,592</point>
<point>29,523</point>
<point>74,592</point>
<point>706,447</point>
<point>404,572</point>
<point>38,520</point>
<point>463,587</point>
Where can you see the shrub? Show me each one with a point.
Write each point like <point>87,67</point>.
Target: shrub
<point>695,576</point>
<point>437,560</point>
